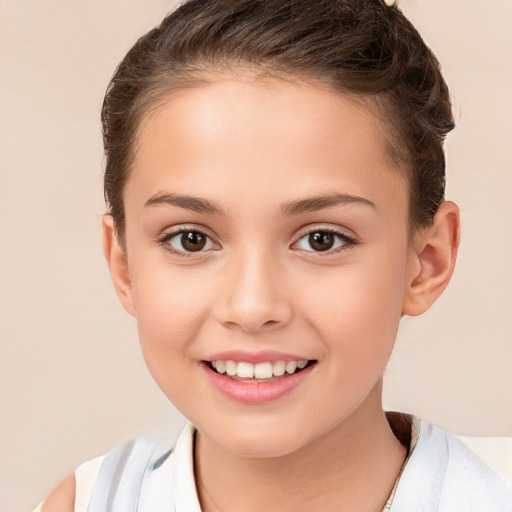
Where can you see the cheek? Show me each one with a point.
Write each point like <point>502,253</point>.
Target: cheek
<point>358,311</point>
<point>167,295</point>
<point>171,306</point>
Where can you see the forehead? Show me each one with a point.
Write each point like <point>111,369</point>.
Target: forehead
<point>238,132</point>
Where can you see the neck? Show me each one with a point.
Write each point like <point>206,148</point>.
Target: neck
<point>352,467</point>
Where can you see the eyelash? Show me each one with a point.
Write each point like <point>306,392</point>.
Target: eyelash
<point>346,241</point>
<point>168,237</point>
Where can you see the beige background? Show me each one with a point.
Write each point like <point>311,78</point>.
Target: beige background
<point>72,381</point>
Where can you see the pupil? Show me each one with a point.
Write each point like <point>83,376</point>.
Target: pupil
<point>193,241</point>
<point>321,240</point>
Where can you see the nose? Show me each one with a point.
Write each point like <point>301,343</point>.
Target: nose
<point>254,294</point>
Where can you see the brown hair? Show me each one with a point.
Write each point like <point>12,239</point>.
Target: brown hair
<point>356,46</point>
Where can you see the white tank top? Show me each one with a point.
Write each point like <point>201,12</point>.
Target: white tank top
<point>440,474</point>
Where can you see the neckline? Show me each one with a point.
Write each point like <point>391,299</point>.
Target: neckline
<point>406,429</point>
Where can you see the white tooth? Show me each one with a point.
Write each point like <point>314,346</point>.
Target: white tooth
<point>279,368</point>
<point>301,364</point>
<point>245,370</point>
<point>263,370</point>
<point>291,366</point>
<point>220,366</point>
<point>230,367</point>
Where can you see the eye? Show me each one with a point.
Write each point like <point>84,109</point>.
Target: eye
<point>187,241</point>
<point>323,241</point>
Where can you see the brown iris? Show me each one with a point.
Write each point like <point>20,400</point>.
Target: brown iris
<point>321,240</point>
<point>193,241</point>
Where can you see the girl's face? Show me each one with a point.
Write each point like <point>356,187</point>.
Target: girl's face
<point>266,225</point>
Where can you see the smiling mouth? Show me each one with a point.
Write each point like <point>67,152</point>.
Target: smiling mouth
<point>260,372</point>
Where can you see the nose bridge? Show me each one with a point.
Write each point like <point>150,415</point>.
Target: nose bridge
<point>254,296</point>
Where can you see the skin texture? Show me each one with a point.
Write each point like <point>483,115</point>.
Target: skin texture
<point>252,149</point>
<point>62,498</point>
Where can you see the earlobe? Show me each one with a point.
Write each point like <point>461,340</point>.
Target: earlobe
<point>117,263</point>
<point>433,260</point>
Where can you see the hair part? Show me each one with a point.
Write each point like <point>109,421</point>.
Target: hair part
<point>360,47</point>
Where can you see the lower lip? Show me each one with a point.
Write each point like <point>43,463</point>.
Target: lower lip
<point>256,392</point>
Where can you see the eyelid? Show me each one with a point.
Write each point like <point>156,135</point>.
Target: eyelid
<point>174,231</point>
<point>330,228</point>
<point>350,240</point>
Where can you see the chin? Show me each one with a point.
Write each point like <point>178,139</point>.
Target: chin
<point>259,439</point>
<point>262,446</point>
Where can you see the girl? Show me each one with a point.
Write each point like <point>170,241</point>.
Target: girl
<point>275,188</point>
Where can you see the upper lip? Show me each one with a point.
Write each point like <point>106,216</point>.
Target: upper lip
<point>261,356</point>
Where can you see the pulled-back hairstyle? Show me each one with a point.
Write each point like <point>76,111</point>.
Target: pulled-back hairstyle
<point>361,47</point>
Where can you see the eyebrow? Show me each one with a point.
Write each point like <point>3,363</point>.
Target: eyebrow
<point>315,203</point>
<point>308,204</point>
<point>195,204</point>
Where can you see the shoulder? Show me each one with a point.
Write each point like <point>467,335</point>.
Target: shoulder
<point>468,479</point>
<point>444,475</point>
<point>62,498</point>
<point>141,474</point>
<point>137,473</point>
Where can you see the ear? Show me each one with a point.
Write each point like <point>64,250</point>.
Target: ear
<point>432,260</point>
<point>117,263</point>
